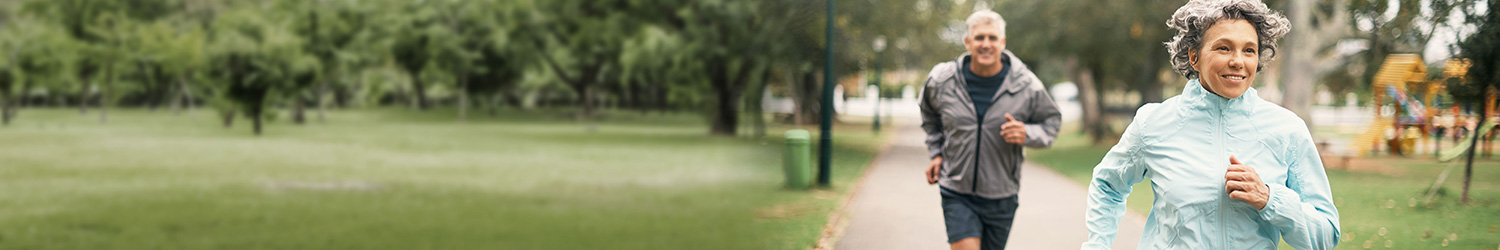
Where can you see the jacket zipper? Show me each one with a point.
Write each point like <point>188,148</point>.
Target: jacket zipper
<point>958,75</point>
<point>978,143</point>
<point>1223,198</point>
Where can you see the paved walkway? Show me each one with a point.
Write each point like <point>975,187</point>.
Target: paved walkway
<point>894,207</point>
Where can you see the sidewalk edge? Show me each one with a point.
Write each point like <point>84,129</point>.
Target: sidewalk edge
<point>836,225</point>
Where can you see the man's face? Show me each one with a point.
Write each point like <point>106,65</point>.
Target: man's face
<point>984,44</point>
<point>1226,62</point>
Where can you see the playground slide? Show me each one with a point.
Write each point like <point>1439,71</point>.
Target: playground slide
<point>1372,135</point>
<point>1414,109</point>
<point>1463,146</point>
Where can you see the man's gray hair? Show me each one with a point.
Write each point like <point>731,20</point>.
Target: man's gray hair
<point>1193,19</point>
<point>984,17</point>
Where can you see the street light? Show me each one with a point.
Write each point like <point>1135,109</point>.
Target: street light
<point>879,51</point>
<point>825,127</point>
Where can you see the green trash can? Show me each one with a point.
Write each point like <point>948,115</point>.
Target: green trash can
<point>797,160</point>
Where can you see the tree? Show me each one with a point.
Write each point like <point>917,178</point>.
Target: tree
<point>97,25</point>
<point>255,55</point>
<point>581,42</point>
<point>1123,51</point>
<point>32,54</point>
<point>181,56</point>
<point>1308,50</point>
<point>341,35</point>
<point>471,37</point>
<point>1482,49</point>
<point>413,45</point>
<point>732,34</point>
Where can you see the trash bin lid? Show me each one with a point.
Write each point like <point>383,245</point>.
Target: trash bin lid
<point>798,134</point>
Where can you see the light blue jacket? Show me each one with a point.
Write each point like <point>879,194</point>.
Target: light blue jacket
<point>1183,144</point>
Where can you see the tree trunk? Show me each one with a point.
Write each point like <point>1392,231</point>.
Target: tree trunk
<point>808,98</point>
<point>154,96</point>
<point>1297,80</point>
<point>1088,98</point>
<point>255,119</point>
<point>463,99</point>
<point>184,99</point>
<point>757,104</point>
<point>299,110</point>
<point>1484,114</point>
<point>228,116</point>
<point>638,96</point>
<point>83,94</point>
<point>726,119</point>
<point>1148,83</point>
<point>322,98</point>
<point>7,101</point>
<point>794,92</point>
<point>257,109</point>
<point>421,91</point>
<point>104,94</point>
<point>586,93</point>
<point>174,100</point>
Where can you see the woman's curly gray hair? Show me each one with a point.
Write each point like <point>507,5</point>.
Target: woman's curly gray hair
<point>1197,16</point>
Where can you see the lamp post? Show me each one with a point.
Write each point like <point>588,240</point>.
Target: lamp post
<point>825,126</point>
<point>879,51</point>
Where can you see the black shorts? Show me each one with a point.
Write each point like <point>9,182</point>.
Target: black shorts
<point>973,216</point>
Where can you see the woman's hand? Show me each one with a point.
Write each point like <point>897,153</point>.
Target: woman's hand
<point>1244,184</point>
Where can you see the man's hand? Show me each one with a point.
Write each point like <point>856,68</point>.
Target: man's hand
<point>1014,131</point>
<point>933,170</point>
<point>1244,184</point>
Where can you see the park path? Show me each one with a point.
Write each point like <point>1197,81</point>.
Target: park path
<point>894,208</point>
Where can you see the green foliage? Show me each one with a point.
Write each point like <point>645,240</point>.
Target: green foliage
<point>254,54</point>
<point>1482,49</point>
<point>638,54</point>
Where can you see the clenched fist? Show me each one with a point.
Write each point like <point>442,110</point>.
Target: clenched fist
<point>1244,184</point>
<point>1014,131</point>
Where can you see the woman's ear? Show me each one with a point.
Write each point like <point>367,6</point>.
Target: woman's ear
<point>1193,59</point>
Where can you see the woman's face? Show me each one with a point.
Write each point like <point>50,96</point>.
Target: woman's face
<point>1226,62</point>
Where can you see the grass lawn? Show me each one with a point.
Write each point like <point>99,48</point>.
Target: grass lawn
<point>402,179</point>
<point>1378,209</point>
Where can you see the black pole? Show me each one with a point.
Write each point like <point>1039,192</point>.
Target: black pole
<point>825,127</point>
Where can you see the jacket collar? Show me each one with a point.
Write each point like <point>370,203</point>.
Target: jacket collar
<point>1199,98</point>
<point>1014,81</point>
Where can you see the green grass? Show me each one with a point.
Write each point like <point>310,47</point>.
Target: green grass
<point>1367,201</point>
<point>401,179</point>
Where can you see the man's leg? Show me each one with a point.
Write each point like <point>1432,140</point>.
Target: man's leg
<point>997,215</point>
<point>964,226</point>
<point>971,243</point>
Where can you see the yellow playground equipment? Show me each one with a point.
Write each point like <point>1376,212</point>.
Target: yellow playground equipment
<point>1397,73</point>
<point>1400,75</point>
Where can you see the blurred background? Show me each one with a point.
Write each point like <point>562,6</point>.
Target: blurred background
<point>648,124</point>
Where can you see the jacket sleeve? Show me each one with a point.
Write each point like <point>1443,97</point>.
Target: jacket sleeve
<point>932,121</point>
<point>1120,169</point>
<point>1041,130</point>
<point>1302,208</point>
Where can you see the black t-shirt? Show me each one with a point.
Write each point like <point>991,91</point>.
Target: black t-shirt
<point>982,89</point>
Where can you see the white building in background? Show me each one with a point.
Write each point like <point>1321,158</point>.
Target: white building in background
<point>1066,96</point>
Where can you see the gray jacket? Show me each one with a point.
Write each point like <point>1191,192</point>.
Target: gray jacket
<point>954,133</point>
